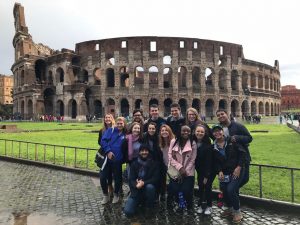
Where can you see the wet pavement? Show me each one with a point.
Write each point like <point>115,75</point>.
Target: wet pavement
<point>32,195</point>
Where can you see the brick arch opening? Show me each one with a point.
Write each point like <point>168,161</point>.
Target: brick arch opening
<point>110,77</point>
<point>167,106</point>
<point>223,104</point>
<point>235,108</point>
<point>196,104</point>
<point>253,108</point>
<point>97,76</point>
<point>124,76</point>
<point>209,108</point>
<point>98,112</point>
<point>153,77</point>
<point>183,105</point>
<point>60,75</point>
<point>40,70</point>
<point>182,73</point>
<point>49,95</point>
<point>167,74</point>
<point>60,108</point>
<point>124,105</point>
<point>139,73</point>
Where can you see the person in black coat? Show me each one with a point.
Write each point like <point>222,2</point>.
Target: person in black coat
<point>175,120</point>
<point>203,166</point>
<point>143,181</point>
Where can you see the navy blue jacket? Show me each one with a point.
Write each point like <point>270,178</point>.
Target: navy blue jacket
<point>175,125</point>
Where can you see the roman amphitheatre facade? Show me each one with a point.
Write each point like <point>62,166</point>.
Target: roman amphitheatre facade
<point>120,74</point>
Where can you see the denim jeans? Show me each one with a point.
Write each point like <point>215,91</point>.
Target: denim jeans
<point>146,194</point>
<point>246,175</point>
<point>112,169</point>
<point>186,186</point>
<point>231,191</point>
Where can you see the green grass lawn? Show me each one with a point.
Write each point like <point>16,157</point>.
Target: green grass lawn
<point>280,146</point>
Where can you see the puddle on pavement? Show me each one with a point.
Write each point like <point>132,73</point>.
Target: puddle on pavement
<point>40,219</point>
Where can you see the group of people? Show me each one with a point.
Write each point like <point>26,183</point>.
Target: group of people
<point>154,147</point>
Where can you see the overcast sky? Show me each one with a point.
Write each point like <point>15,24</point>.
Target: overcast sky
<point>268,30</point>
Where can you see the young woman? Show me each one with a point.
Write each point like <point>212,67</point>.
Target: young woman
<point>165,137</point>
<point>182,154</point>
<point>203,166</point>
<point>133,139</point>
<point>111,144</point>
<point>150,138</point>
<point>109,122</point>
<point>229,163</point>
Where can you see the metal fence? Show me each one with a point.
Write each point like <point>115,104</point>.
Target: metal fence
<point>266,181</point>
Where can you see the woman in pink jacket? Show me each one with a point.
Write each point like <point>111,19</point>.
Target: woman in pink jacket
<point>182,154</point>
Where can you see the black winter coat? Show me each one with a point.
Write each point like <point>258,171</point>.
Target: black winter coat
<point>204,160</point>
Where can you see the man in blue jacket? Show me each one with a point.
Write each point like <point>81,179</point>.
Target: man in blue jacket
<point>238,133</point>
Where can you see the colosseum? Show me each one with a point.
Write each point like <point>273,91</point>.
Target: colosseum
<point>120,74</point>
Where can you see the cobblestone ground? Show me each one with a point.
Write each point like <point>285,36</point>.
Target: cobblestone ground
<point>32,195</point>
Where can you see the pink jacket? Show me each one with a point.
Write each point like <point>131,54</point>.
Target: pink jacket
<point>185,159</point>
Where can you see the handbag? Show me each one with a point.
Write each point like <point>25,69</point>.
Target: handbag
<point>172,172</point>
<point>100,159</point>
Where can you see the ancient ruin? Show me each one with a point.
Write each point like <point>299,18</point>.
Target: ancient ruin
<point>119,74</point>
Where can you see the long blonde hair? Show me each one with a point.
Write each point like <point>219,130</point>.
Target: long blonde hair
<point>162,142</point>
<point>113,122</point>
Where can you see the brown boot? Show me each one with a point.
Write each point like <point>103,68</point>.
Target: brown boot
<point>226,213</point>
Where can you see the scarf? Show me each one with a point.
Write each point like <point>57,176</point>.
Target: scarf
<point>131,139</point>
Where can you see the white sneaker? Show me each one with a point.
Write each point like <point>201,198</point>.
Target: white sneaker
<point>115,199</point>
<point>208,211</point>
<point>105,199</point>
<point>200,210</point>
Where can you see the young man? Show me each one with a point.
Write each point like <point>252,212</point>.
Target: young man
<point>137,116</point>
<point>175,120</point>
<point>143,181</point>
<point>155,118</point>
<point>238,133</point>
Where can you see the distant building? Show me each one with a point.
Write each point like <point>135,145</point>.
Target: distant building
<point>290,97</point>
<point>6,86</point>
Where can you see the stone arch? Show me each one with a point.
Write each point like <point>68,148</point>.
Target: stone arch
<point>30,109</point>
<point>124,105</point>
<point>97,76</point>
<point>245,108</point>
<point>48,101</point>
<point>167,106</point>
<point>209,77</point>
<point>40,70</point>
<point>260,108</point>
<point>253,108</point>
<point>124,76</point>
<point>183,105</point>
<point>272,109</point>
<point>267,83</point>
<point>153,77</point>
<point>223,104</point>
<point>138,104</point>
<point>22,80</point>
<point>235,108</point>
<point>267,109</point>
<point>244,80</point>
<point>84,108</point>
<point>139,73</point>
<point>60,108</point>
<point>167,60</point>
<point>196,104</point>
<point>253,80</point>
<point>72,109</point>
<point>50,77</point>
<point>209,108</point>
<point>75,66</point>
<point>196,81</point>
<point>98,109</point>
<point>84,76</point>
<point>234,80</point>
<point>110,103</point>
<point>110,77</point>
<point>182,73</point>
<point>222,79</point>
<point>60,75</point>
<point>260,81</point>
<point>167,73</point>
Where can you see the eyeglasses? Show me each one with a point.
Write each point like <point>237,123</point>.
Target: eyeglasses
<point>137,115</point>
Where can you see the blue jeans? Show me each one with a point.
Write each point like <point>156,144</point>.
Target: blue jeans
<point>231,191</point>
<point>246,175</point>
<point>146,194</point>
<point>112,169</point>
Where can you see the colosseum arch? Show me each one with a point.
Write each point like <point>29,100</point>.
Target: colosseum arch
<point>245,108</point>
<point>22,80</point>
<point>49,96</point>
<point>40,70</point>
<point>138,104</point>
<point>97,76</point>
<point>235,108</point>
<point>196,79</point>
<point>50,77</point>
<point>60,108</point>
<point>261,108</point>
<point>110,77</point>
<point>245,80</point>
<point>260,82</point>
<point>209,108</point>
<point>75,66</point>
<point>72,109</point>
<point>83,109</point>
<point>182,74</point>
<point>267,109</point>
<point>153,101</point>
<point>167,73</point>
<point>124,105</point>
<point>267,83</point>
<point>60,75</point>
<point>98,112</point>
<point>30,109</point>
<point>253,80</point>
<point>110,106</point>
<point>196,104</point>
<point>167,60</point>
<point>183,105</point>
<point>167,106</point>
<point>222,80</point>
<point>209,78</point>
<point>124,77</point>
<point>234,80</point>
<point>83,76</point>
<point>223,104</point>
<point>153,77</point>
<point>139,73</point>
<point>253,108</point>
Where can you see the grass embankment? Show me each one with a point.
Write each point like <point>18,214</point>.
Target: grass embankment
<point>280,146</point>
